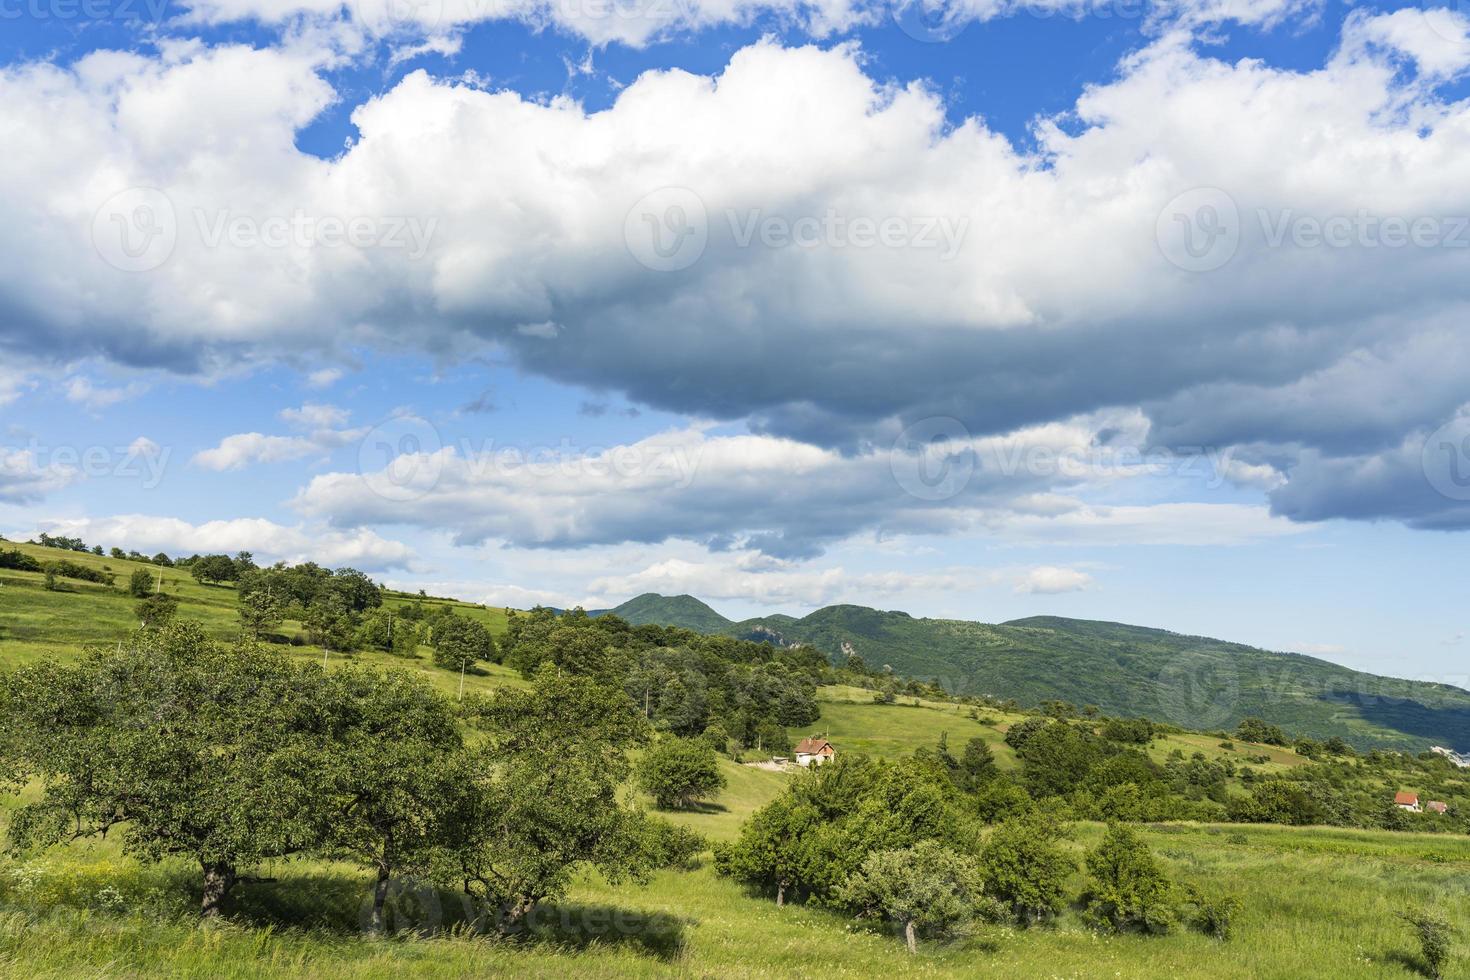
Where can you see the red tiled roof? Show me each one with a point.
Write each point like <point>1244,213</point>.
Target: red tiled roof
<point>812,746</point>
<point>1406,799</point>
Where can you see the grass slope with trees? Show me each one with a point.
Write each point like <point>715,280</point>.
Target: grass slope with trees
<point>1124,670</point>
<point>350,782</point>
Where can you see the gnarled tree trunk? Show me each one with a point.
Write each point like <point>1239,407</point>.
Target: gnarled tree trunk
<point>910,937</point>
<point>219,878</point>
<point>380,898</point>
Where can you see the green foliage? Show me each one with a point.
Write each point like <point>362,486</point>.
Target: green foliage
<point>1057,758</point>
<point>140,583</point>
<point>460,643</point>
<point>924,888</point>
<point>544,795</point>
<point>1020,733</point>
<point>678,772</point>
<point>392,776</point>
<point>191,749</point>
<point>817,833</point>
<point>261,611</point>
<point>1256,730</point>
<point>1025,866</point>
<point>1213,915</point>
<point>329,623</point>
<point>977,764</point>
<point>156,610</point>
<point>1129,889</point>
<point>1137,731</point>
<point>1434,933</point>
<point>1001,799</point>
<point>1125,670</point>
<point>1277,801</point>
<point>18,560</point>
<point>213,569</point>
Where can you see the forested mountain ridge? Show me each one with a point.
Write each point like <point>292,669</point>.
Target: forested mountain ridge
<point>1193,681</point>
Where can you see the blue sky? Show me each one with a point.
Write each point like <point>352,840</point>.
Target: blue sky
<point>1026,395</point>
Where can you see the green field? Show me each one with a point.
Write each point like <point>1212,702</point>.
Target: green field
<point>36,623</point>
<point>1316,902</point>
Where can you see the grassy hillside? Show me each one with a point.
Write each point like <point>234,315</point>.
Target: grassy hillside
<point>1125,670</point>
<point>1318,902</point>
<point>35,622</point>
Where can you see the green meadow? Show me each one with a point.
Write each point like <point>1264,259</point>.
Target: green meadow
<point>1316,902</point>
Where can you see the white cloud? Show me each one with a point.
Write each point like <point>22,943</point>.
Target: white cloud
<point>1060,300</point>
<point>313,416</point>
<point>324,378</point>
<point>83,391</point>
<point>1052,580</point>
<point>248,448</point>
<point>24,478</point>
<point>268,541</point>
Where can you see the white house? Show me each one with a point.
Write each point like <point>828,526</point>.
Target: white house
<point>1407,801</point>
<point>814,751</point>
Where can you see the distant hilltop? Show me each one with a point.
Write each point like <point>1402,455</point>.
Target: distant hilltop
<point>1194,681</point>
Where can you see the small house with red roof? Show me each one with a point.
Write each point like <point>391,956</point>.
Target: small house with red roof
<point>814,751</point>
<point>1408,801</point>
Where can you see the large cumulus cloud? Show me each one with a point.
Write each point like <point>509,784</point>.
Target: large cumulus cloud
<point>1065,295</point>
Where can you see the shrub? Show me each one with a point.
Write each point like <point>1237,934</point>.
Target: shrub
<point>140,583</point>
<point>678,772</point>
<point>1214,916</point>
<point>1434,939</point>
<point>926,887</point>
<point>668,845</point>
<point>19,561</point>
<point>1129,889</point>
<point>1024,866</point>
<point>157,610</point>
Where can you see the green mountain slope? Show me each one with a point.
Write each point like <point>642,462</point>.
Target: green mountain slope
<point>676,610</point>
<point>1193,681</point>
